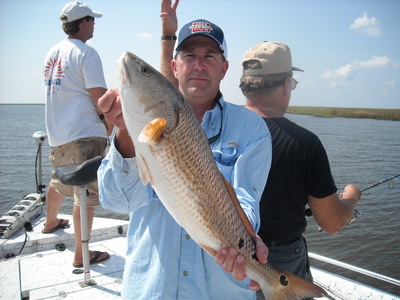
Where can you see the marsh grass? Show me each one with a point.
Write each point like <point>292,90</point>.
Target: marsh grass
<point>357,113</point>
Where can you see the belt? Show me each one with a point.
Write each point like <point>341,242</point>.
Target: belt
<point>280,243</point>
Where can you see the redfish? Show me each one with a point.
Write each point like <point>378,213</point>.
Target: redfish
<point>173,154</point>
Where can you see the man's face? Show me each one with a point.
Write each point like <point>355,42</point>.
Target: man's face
<point>199,68</point>
<point>87,26</point>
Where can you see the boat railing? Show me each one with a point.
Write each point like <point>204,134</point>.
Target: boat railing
<point>354,268</point>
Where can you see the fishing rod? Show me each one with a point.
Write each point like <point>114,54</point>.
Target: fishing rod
<point>380,182</point>
<point>356,212</point>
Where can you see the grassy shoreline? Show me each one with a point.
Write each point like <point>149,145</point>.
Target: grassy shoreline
<point>356,113</point>
<point>324,112</point>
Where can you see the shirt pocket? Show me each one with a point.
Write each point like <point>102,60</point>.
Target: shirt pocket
<point>226,158</point>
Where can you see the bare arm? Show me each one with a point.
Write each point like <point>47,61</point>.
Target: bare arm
<point>95,94</point>
<point>332,213</point>
<point>169,23</point>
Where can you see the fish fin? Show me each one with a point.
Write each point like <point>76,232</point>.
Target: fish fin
<point>239,209</point>
<point>144,172</point>
<point>293,287</point>
<point>152,132</point>
<point>209,250</point>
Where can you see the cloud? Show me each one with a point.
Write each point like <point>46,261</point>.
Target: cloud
<point>146,36</point>
<point>376,61</point>
<point>390,83</point>
<point>366,25</point>
<point>339,76</point>
<point>342,72</point>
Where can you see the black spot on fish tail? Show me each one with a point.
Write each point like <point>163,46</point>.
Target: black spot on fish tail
<point>241,243</point>
<point>283,281</point>
<point>254,256</point>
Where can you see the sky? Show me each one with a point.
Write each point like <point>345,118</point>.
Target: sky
<point>349,49</point>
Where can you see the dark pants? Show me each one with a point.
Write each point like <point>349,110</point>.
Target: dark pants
<point>291,257</point>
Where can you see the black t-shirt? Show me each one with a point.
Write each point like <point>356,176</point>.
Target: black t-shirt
<point>300,167</point>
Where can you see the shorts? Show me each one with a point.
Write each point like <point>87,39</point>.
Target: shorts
<point>291,257</point>
<point>76,152</point>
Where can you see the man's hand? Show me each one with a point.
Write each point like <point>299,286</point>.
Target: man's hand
<point>235,263</point>
<point>352,193</point>
<point>110,104</point>
<point>168,16</point>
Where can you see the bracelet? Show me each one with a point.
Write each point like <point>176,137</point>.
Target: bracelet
<point>168,37</point>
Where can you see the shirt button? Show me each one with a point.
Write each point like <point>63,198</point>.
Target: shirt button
<point>187,237</point>
<point>185,273</point>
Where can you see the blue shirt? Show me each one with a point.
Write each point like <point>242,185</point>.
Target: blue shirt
<point>162,261</point>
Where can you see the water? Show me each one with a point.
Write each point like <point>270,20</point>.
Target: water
<point>18,152</point>
<point>360,151</point>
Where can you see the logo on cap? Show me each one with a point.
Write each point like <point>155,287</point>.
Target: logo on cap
<point>197,27</point>
<point>204,28</point>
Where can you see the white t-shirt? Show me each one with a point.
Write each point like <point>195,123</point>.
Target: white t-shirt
<point>71,68</point>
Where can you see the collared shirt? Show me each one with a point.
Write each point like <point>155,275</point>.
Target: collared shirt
<point>162,261</point>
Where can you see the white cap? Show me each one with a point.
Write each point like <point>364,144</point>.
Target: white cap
<point>77,10</point>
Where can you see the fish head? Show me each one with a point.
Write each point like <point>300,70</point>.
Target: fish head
<point>146,95</point>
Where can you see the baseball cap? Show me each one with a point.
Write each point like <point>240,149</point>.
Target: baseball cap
<point>204,28</point>
<point>77,10</point>
<point>268,58</point>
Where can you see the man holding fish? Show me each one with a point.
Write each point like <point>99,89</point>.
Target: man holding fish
<point>163,261</point>
<point>186,202</point>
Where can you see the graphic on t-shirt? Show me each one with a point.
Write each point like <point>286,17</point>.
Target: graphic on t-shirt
<point>53,72</point>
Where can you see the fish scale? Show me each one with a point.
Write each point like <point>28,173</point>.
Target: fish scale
<point>178,162</point>
<point>185,157</point>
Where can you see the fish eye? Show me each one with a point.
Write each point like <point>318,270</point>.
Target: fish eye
<point>145,71</point>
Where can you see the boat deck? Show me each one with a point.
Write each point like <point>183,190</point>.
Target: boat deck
<point>49,275</point>
<point>43,272</point>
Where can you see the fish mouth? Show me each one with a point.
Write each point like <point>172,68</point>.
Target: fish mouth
<point>123,68</point>
<point>123,74</point>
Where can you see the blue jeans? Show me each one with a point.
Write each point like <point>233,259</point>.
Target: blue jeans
<point>291,257</point>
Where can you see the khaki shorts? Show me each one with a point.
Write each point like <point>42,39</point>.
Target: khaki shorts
<point>76,152</point>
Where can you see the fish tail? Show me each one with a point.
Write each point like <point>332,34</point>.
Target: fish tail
<point>292,287</point>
